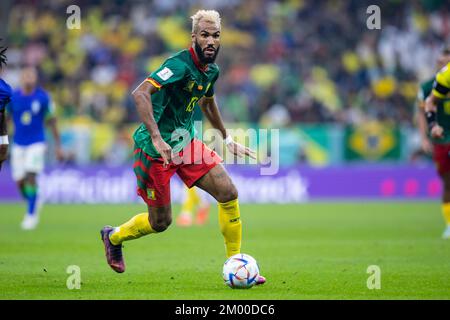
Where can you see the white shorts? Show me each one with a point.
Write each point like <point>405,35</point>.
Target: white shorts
<point>27,159</point>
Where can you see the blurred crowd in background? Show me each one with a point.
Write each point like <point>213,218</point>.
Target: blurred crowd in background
<point>283,63</point>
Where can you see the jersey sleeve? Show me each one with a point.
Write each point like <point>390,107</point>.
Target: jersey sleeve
<point>210,91</point>
<point>8,107</point>
<point>48,106</point>
<point>172,70</point>
<point>441,84</point>
<point>5,95</point>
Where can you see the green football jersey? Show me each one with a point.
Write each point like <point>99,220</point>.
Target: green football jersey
<point>181,82</point>
<point>443,110</point>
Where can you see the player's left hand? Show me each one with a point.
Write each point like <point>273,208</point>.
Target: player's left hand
<point>240,150</point>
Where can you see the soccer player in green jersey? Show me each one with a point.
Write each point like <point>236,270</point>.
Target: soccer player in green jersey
<point>424,91</point>
<point>435,123</point>
<point>165,143</point>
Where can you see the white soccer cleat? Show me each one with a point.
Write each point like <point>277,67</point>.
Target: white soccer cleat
<point>30,222</point>
<point>446,234</point>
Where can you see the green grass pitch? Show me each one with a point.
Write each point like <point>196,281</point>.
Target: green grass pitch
<point>310,251</point>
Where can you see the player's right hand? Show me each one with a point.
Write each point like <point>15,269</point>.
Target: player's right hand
<point>164,150</point>
<point>437,132</point>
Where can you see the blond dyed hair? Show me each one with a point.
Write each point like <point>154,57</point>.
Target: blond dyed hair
<point>206,15</point>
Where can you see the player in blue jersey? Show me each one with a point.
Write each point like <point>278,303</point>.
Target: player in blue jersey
<point>30,109</point>
<point>5,96</point>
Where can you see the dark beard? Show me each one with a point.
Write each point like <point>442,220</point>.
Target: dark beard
<point>201,54</point>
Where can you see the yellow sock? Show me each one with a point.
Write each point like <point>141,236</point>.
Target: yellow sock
<point>231,226</point>
<point>192,200</point>
<point>136,227</point>
<point>446,212</point>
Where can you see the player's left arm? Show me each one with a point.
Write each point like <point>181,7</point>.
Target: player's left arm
<point>211,111</point>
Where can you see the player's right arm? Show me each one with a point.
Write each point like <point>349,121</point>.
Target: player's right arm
<point>142,96</point>
<point>441,88</point>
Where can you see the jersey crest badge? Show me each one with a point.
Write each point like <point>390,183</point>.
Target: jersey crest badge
<point>189,86</point>
<point>151,194</point>
<point>35,106</point>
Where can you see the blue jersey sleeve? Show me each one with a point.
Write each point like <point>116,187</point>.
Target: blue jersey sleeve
<point>5,94</point>
<point>47,104</point>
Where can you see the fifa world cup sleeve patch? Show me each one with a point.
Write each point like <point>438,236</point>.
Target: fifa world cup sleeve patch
<point>165,73</point>
<point>171,71</point>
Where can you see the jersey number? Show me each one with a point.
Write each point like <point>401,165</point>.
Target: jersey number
<point>191,104</point>
<point>25,118</point>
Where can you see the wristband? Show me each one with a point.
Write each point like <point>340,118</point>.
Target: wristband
<point>4,140</point>
<point>228,140</point>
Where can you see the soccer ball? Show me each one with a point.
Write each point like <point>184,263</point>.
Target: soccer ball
<point>240,271</point>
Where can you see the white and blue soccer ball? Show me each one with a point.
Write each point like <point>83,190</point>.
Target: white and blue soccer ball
<point>240,271</point>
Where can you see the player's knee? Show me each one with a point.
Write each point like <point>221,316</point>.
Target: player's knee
<point>228,194</point>
<point>161,225</point>
<point>162,219</point>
